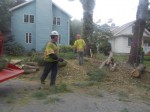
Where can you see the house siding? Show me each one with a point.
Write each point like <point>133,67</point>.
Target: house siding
<point>41,29</point>
<point>121,45</point>
<point>19,28</point>
<point>64,26</point>
<point>120,40</point>
<point>43,23</point>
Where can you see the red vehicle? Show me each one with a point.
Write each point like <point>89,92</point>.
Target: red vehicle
<point>11,70</point>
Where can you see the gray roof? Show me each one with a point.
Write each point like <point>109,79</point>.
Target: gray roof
<point>117,31</point>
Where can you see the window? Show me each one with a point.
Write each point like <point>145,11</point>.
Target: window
<point>26,18</point>
<point>28,38</point>
<point>56,21</point>
<point>29,18</point>
<point>129,41</point>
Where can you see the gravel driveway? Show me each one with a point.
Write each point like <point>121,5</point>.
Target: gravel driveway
<point>14,98</point>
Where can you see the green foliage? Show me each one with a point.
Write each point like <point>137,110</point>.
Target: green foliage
<point>105,47</point>
<point>65,49</point>
<point>97,75</point>
<point>68,55</point>
<point>14,49</point>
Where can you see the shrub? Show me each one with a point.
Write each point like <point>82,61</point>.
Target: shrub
<point>14,48</point>
<point>68,55</point>
<point>105,48</point>
<point>65,49</point>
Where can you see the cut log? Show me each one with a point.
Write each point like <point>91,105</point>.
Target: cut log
<point>28,71</point>
<point>32,63</point>
<point>31,67</point>
<point>107,61</point>
<point>138,71</point>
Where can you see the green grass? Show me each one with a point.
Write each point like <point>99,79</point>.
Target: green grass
<point>121,58</point>
<point>40,95</point>
<point>68,55</point>
<point>63,88</point>
<point>97,75</point>
<point>83,84</point>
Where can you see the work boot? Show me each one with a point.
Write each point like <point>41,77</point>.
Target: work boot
<point>42,82</point>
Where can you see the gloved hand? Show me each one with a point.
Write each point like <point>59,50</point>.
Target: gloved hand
<point>60,59</point>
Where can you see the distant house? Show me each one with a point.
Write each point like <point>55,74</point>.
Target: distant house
<point>122,37</point>
<point>32,22</point>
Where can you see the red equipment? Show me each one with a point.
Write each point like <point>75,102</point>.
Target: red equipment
<point>11,71</point>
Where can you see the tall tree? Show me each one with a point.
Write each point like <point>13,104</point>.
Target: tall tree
<point>138,29</point>
<point>5,15</point>
<point>5,5</point>
<point>87,31</point>
<point>88,8</point>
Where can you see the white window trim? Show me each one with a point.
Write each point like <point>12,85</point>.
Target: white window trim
<point>56,21</point>
<point>29,18</point>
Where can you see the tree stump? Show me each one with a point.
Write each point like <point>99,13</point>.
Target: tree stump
<point>138,71</point>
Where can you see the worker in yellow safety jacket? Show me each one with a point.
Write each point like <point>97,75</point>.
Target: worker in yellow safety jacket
<point>51,59</point>
<point>79,47</point>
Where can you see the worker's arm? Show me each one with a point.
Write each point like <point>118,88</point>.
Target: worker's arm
<point>53,56</point>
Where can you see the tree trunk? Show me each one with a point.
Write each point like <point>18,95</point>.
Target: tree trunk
<point>88,7</point>
<point>134,57</point>
<point>138,30</point>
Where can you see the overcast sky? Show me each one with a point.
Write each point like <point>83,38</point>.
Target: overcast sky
<point>121,11</point>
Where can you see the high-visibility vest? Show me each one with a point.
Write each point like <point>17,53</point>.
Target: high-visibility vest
<point>79,45</point>
<point>51,48</point>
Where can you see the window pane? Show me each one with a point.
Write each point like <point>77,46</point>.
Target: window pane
<point>54,21</point>
<point>25,18</point>
<point>26,37</point>
<point>129,41</point>
<point>31,19</point>
<point>58,21</point>
<point>30,38</point>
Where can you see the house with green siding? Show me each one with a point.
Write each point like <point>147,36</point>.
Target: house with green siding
<point>32,22</point>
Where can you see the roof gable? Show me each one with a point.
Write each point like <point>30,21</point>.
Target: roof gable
<point>126,29</point>
<point>21,5</point>
<point>28,2</point>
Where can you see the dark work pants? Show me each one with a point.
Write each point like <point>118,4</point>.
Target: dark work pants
<point>50,66</point>
<point>80,57</point>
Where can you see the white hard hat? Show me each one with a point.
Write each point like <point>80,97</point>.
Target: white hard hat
<point>54,33</point>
